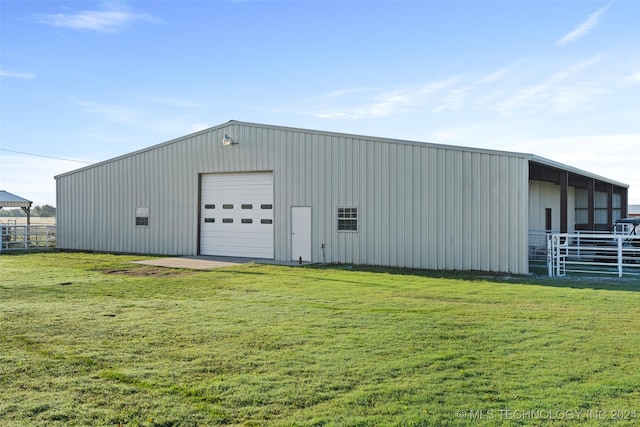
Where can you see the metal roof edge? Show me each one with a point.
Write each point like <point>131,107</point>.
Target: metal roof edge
<point>530,157</point>
<point>384,139</point>
<point>293,129</point>
<point>144,150</point>
<point>12,198</point>
<point>565,167</point>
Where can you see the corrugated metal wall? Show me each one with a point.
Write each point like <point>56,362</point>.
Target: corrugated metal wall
<point>544,195</point>
<point>97,205</point>
<point>419,205</point>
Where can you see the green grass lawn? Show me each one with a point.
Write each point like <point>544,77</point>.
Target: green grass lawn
<point>92,339</point>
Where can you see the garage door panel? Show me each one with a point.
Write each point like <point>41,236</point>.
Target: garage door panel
<point>236,244</point>
<point>237,214</point>
<point>236,237</point>
<point>237,217</point>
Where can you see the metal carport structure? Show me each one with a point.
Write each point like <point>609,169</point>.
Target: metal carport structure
<point>9,200</point>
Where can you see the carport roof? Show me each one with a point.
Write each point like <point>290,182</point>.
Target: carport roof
<point>571,169</point>
<point>8,200</point>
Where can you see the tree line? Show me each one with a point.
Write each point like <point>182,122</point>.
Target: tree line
<point>41,211</point>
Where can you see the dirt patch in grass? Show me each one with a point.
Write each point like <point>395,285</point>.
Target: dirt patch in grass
<point>150,271</point>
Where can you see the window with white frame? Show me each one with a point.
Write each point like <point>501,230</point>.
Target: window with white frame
<point>348,219</point>
<point>142,217</point>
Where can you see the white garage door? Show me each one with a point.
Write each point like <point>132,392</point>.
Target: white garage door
<point>236,214</point>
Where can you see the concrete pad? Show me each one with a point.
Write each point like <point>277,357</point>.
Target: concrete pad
<point>210,262</point>
<point>193,263</point>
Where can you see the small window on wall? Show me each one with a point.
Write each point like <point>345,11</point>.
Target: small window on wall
<point>347,219</point>
<point>142,217</point>
<point>548,226</point>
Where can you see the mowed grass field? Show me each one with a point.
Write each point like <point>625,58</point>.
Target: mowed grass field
<point>92,339</point>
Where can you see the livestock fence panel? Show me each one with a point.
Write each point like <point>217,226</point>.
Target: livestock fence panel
<point>592,253</point>
<point>27,237</point>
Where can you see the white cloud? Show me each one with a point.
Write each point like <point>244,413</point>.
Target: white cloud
<point>497,76</point>
<point>37,184</point>
<point>562,92</point>
<point>342,92</point>
<point>16,75</point>
<point>175,126</point>
<point>577,68</point>
<point>111,19</point>
<point>454,100</point>
<point>384,104</point>
<point>629,80</point>
<point>112,113</point>
<point>175,102</point>
<point>524,88</point>
<point>149,119</point>
<point>446,135</point>
<point>583,28</point>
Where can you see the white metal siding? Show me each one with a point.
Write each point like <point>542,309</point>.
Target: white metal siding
<point>97,205</point>
<point>419,205</point>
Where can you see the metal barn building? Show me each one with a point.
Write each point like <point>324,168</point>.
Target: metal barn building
<point>252,190</point>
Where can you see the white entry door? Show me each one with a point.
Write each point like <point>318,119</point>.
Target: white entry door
<point>237,214</point>
<point>301,233</point>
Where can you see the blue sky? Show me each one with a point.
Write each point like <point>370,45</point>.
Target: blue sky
<point>84,81</point>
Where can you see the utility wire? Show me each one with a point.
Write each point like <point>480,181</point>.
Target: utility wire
<point>46,157</point>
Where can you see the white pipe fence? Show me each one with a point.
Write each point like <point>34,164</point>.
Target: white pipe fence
<point>27,237</point>
<point>593,253</point>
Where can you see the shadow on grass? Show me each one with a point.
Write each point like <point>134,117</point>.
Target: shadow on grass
<point>577,282</point>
